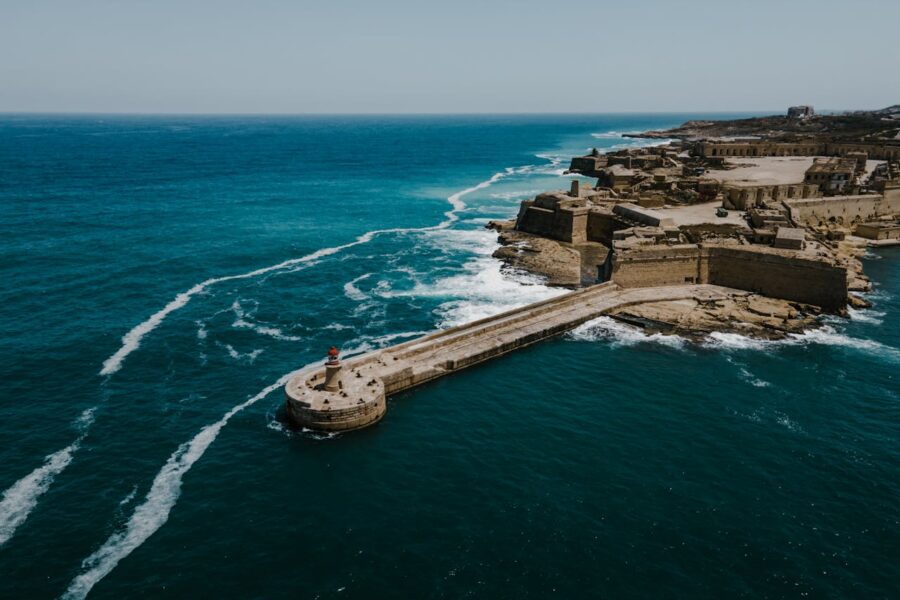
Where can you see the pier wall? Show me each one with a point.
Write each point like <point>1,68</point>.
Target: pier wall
<point>366,381</point>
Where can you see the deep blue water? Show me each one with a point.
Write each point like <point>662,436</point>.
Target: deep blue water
<point>230,251</point>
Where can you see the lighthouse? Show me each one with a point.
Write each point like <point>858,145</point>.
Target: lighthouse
<point>333,370</point>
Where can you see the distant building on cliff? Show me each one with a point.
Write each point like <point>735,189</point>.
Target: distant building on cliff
<point>800,112</point>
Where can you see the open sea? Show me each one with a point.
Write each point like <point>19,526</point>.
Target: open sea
<point>163,275</point>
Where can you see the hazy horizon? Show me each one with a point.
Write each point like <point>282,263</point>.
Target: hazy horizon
<point>402,57</point>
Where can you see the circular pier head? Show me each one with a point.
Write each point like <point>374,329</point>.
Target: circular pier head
<point>336,398</point>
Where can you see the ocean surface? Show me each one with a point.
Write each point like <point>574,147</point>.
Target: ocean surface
<point>162,276</point>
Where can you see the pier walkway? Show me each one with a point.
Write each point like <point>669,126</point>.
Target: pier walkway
<point>355,391</point>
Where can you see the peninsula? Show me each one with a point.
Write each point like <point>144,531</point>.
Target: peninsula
<point>753,226</point>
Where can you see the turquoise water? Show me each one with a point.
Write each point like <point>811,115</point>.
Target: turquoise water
<point>231,251</point>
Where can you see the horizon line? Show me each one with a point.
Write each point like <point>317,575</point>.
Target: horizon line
<point>398,114</point>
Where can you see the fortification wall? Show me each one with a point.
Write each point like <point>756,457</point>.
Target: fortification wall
<point>659,265</point>
<point>744,196</point>
<point>759,270</point>
<point>601,225</point>
<point>779,276</point>
<point>843,209</point>
<point>806,148</point>
<point>566,225</point>
<point>875,151</point>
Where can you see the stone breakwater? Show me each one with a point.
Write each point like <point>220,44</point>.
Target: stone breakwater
<point>352,395</point>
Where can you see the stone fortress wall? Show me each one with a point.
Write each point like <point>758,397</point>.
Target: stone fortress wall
<point>753,148</point>
<point>742,196</point>
<point>755,269</point>
<point>844,210</point>
<point>768,271</point>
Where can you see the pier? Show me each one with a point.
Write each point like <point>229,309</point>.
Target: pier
<point>345,395</point>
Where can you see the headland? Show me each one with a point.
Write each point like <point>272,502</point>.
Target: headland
<point>752,226</point>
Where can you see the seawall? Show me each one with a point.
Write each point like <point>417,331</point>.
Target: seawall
<point>366,381</point>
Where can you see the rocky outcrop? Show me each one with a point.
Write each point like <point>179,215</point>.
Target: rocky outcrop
<point>558,262</point>
<point>746,314</point>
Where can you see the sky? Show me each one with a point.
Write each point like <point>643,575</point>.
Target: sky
<point>453,56</point>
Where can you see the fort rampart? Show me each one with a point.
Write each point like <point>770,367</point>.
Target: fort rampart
<point>844,210</point>
<point>765,271</point>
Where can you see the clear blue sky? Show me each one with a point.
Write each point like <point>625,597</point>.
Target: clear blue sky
<point>276,56</point>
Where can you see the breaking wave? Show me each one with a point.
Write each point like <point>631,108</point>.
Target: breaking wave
<point>608,329</point>
<point>823,336</point>
<point>131,341</point>
<point>621,335</point>
<point>873,317</point>
<point>21,497</point>
<point>483,288</point>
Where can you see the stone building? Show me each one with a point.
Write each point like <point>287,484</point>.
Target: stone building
<point>831,175</point>
<point>879,230</point>
<point>800,112</point>
<point>789,238</point>
<point>743,195</point>
<point>812,147</point>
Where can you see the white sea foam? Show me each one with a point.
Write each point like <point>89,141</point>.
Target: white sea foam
<point>242,322</point>
<point>354,293</point>
<point>753,380</point>
<point>785,421</point>
<point>621,335</point>
<point>483,287</point>
<point>735,341</point>
<point>131,341</point>
<point>824,336</point>
<point>129,497</point>
<point>21,497</point>
<point>154,511</point>
<point>866,315</point>
<point>607,135</point>
<point>481,290</point>
<point>249,357</point>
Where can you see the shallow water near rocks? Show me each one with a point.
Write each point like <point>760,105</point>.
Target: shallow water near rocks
<point>231,251</point>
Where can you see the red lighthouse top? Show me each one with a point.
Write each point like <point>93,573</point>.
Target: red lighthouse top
<point>333,353</point>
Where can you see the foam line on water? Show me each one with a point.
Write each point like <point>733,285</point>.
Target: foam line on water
<point>165,490</point>
<point>241,322</point>
<point>354,293</point>
<point>131,341</point>
<point>154,511</point>
<point>21,497</point>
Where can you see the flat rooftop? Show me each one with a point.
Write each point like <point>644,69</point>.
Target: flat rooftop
<point>790,233</point>
<point>696,214</point>
<point>766,170</point>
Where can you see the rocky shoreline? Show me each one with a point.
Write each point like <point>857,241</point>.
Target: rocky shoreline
<point>783,244</point>
<point>743,313</point>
